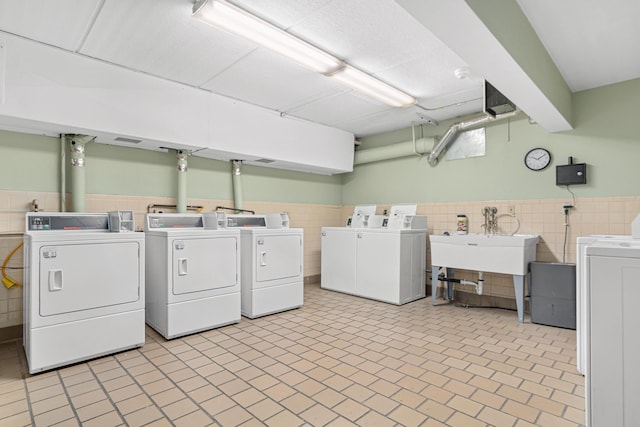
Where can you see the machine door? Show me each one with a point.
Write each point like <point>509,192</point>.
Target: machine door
<point>338,260</point>
<point>203,264</point>
<point>279,256</point>
<point>85,276</point>
<point>377,265</point>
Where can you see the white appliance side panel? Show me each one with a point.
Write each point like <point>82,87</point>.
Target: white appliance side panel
<point>157,282</point>
<point>613,371</point>
<point>204,264</point>
<point>83,276</point>
<point>338,259</point>
<point>278,256</point>
<point>413,264</point>
<point>581,300</point>
<point>66,343</point>
<point>378,266</point>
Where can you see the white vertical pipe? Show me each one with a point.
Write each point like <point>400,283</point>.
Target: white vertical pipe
<point>237,183</point>
<point>181,197</point>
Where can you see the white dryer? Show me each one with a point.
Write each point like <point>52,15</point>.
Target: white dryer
<point>84,289</point>
<point>193,273</point>
<point>272,263</point>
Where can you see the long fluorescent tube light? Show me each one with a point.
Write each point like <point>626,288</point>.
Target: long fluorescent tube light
<point>233,19</point>
<point>237,21</point>
<point>373,87</point>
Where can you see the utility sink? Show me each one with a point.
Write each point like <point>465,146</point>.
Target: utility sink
<point>486,253</point>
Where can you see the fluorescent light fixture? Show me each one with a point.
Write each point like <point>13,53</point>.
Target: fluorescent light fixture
<point>237,21</point>
<point>233,19</point>
<point>373,87</point>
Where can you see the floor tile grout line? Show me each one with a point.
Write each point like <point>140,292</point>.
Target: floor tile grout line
<point>24,370</point>
<point>175,386</point>
<point>314,336</point>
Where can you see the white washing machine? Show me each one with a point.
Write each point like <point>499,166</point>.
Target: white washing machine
<point>272,263</point>
<point>83,289</point>
<point>193,273</point>
<point>612,374</point>
<point>384,260</point>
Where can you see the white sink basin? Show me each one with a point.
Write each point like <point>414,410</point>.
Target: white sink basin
<point>486,253</point>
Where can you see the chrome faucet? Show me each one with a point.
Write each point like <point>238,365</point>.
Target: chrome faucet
<point>490,219</point>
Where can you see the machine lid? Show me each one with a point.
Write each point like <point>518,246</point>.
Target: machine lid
<point>615,248</point>
<point>41,221</point>
<point>170,221</point>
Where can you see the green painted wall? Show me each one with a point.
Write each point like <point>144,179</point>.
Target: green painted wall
<point>606,137</point>
<point>31,163</point>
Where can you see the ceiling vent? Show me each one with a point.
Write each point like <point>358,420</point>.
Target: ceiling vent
<point>265,161</point>
<point>495,103</point>
<point>128,140</point>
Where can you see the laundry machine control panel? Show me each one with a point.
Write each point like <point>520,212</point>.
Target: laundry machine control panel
<point>66,221</point>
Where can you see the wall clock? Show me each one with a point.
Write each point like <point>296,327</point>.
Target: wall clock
<point>537,159</point>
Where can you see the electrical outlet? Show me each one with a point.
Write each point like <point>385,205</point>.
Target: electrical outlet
<point>512,210</point>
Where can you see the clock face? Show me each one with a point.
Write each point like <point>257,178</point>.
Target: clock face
<point>537,159</point>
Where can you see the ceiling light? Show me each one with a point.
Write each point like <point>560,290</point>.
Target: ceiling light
<point>373,87</point>
<point>237,21</point>
<point>233,19</point>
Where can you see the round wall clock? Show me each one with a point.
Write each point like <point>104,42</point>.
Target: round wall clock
<point>537,159</point>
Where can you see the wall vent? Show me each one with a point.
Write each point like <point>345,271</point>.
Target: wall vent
<point>129,140</point>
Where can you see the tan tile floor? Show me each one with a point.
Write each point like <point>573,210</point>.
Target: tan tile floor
<point>337,361</point>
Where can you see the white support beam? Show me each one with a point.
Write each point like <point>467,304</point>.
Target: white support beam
<point>494,38</point>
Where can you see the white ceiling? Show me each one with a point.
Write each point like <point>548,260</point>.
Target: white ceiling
<point>592,43</point>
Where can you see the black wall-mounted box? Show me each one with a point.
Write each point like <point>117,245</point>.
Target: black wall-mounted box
<point>571,174</point>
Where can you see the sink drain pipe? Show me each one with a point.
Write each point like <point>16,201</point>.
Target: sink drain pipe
<point>236,168</point>
<point>479,285</point>
<point>181,195</point>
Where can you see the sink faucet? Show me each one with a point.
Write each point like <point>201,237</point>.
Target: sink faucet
<point>490,219</point>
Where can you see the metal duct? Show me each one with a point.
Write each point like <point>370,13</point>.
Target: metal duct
<point>236,167</point>
<point>401,149</point>
<point>455,128</point>
<point>181,196</point>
